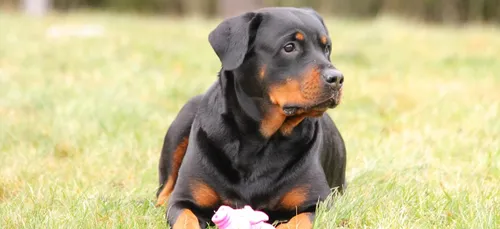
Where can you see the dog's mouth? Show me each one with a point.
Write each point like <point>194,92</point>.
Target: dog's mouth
<point>329,103</point>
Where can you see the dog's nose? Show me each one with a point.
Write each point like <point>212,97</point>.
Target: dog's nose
<point>333,77</point>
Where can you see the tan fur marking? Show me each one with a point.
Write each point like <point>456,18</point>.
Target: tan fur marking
<point>299,36</point>
<point>272,121</point>
<point>186,220</point>
<point>204,195</point>
<point>262,71</point>
<point>312,84</point>
<point>165,192</point>
<point>300,221</point>
<point>292,92</point>
<point>323,40</point>
<point>290,123</point>
<point>288,92</point>
<point>294,198</point>
<point>305,92</point>
<point>178,155</point>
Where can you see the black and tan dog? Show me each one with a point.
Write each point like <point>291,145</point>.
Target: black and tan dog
<point>260,135</point>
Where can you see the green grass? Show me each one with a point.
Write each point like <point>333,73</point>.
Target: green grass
<point>82,120</point>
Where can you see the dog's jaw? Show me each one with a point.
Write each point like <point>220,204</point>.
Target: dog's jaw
<point>322,106</point>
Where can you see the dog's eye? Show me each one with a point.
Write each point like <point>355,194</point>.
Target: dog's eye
<point>327,49</point>
<point>290,47</point>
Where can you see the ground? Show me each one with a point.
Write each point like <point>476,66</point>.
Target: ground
<point>82,118</point>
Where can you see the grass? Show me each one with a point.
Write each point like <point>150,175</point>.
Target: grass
<point>82,120</point>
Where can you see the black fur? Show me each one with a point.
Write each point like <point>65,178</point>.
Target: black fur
<point>227,149</point>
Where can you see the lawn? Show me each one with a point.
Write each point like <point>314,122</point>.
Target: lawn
<point>82,120</point>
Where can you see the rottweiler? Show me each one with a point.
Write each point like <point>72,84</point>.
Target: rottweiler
<point>260,135</point>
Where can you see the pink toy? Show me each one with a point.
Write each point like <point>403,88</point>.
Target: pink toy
<point>245,218</point>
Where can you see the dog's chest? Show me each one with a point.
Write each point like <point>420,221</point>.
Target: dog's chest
<point>262,175</point>
<point>260,194</point>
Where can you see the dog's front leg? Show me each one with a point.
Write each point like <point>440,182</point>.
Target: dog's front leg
<point>301,221</point>
<point>183,219</point>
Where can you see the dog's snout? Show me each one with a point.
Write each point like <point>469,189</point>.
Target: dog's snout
<point>333,77</point>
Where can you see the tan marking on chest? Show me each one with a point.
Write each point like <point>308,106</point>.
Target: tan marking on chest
<point>294,198</point>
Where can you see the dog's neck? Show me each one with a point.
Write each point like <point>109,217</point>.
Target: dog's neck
<point>246,144</point>
<point>243,105</point>
<point>250,108</point>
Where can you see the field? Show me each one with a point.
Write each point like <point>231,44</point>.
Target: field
<point>82,120</point>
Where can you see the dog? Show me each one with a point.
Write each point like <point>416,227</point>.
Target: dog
<point>260,135</point>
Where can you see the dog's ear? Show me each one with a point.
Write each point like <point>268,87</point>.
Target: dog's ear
<point>232,38</point>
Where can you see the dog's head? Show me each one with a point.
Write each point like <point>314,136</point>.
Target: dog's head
<point>286,51</point>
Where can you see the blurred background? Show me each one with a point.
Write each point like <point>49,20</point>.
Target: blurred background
<point>450,11</point>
